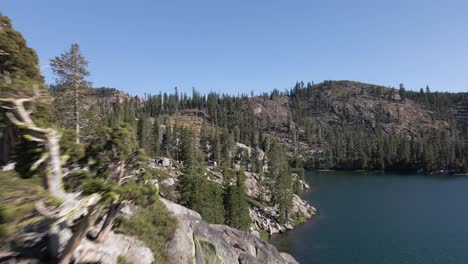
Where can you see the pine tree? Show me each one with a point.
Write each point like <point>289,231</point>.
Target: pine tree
<point>202,195</point>
<point>216,146</point>
<point>168,140</point>
<point>282,181</point>
<point>156,140</point>
<point>236,204</point>
<point>186,150</point>
<point>116,155</point>
<point>227,148</point>
<point>144,133</point>
<point>70,70</point>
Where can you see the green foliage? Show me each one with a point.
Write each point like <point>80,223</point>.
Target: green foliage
<point>297,187</point>
<point>207,251</point>
<point>264,235</point>
<point>282,181</point>
<point>69,148</point>
<point>236,204</point>
<point>382,142</point>
<point>17,203</point>
<point>17,59</point>
<point>203,196</point>
<point>139,193</point>
<point>227,148</point>
<point>75,180</point>
<point>297,184</point>
<point>155,140</point>
<point>26,153</point>
<point>153,225</point>
<point>19,74</point>
<point>185,151</point>
<point>123,260</point>
<point>213,209</point>
<point>72,106</point>
<point>123,140</point>
<point>116,155</point>
<point>144,134</point>
<point>298,219</point>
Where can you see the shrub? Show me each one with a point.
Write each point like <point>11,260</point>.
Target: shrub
<point>17,198</point>
<point>264,235</point>
<point>153,225</point>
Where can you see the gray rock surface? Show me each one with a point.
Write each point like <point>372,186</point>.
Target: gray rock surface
<point>288,258</point>
<point>9,167</point>
<point>302,207</point>
<point>114,246</point>
<point>265,217</point>
<point>198,242</point>
<point>165,162</point>
<point>168,182</point>
<point>179,210</point>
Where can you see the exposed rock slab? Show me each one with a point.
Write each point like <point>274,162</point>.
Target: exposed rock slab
<point>198,242</point>
<point>114,246</point>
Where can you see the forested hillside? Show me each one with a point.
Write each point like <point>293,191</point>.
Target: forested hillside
<point>86,165</point>
<point>334,124</point>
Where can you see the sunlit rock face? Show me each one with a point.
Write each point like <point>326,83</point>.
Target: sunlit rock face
<point>196,241</point>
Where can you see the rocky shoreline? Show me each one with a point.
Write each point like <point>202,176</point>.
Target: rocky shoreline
<point>263,217</point>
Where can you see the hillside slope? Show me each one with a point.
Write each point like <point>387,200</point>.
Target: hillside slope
<point>333,124</point>
<point>342,116</point>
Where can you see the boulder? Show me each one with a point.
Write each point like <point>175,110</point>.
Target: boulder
<point>166,162</point>
<point>114,246</point>
<point>300,206</point>
<point>260,153</point>
<point>178,210</point>
<point>255,233</point>
<point>396,97</point>
<point>253,188</point>
<point>196,241</point>
<point>305,185</point>
<point>168,182</point>
<point>181,246</point>
<point>9,167</point>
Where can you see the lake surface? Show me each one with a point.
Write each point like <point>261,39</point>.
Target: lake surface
<point>370,218</point>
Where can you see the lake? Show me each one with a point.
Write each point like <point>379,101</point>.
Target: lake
<point>370,218</point>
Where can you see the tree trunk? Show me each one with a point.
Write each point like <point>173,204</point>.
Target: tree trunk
<point>121,172</point>
<point>77,115</point>
<point>108,222</point>
<point>78,235</point>
<point>22,119</point>
<point>54,170</point>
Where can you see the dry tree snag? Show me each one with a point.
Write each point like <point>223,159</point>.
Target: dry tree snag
<point>20,116</point>
<point>114,208</point>
<point>71,206</point>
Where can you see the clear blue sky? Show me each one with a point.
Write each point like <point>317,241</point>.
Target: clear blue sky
<point>239,46</point>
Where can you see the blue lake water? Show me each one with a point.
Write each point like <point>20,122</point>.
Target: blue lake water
<point>379,218</point>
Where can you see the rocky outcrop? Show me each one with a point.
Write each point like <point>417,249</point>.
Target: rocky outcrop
<point>196,241</point>
<point>114,246</point>
<point>30,246</point>
<point>265,217</point>
<point>302,208</point>
<point>253,187</point>
<point>260,154</point>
